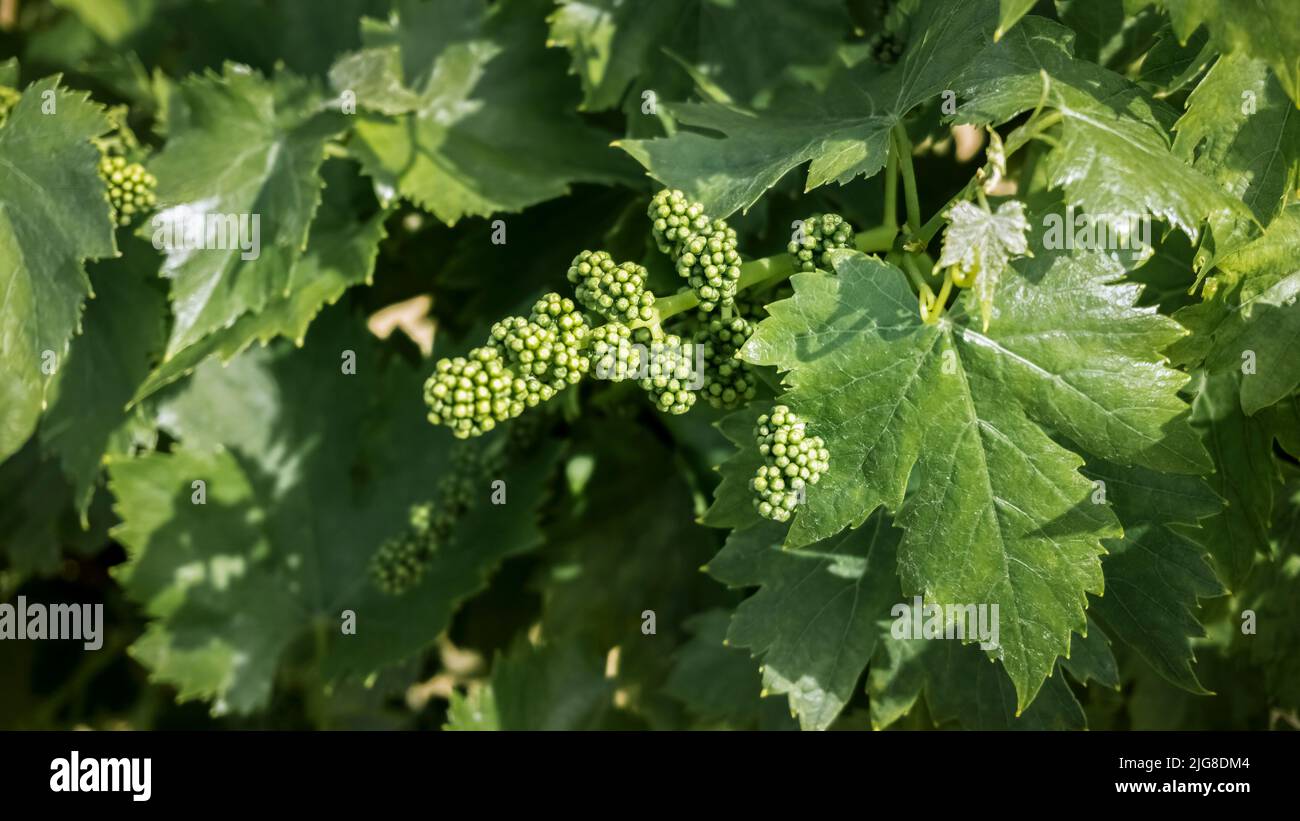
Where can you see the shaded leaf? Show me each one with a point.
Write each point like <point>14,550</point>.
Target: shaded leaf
<point>1113,154</point>
<point>123,333</point>
<point>843,132</point>
<point>743,49</point>
<point>1157,572</point>
<point>49,188</point>
<point>307,470</point>
<point>466,113</point>
<point>243,152</point>
<point>1249,319</point>
<point>1240,127</point>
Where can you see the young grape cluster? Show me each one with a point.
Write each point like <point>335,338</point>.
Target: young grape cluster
<point>471,394</point>
<point>792,461</point>
<point>817,235</point>
<point>613,355</point>
<point>704,250</point>
<point>526,362</point>
<point>400,563</point>
<point>672,376</point>
<point>130,188</point>
<point>887,48</point>
<point>616,292</point>
<point>728,382</point>
<point>890,40</point>
<point>565,329</point>
<point>674,219</point>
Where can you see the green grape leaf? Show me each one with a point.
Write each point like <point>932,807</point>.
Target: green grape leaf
<point>608,562</point>
<point>1284,420</point>
<point>1241,129</point>
<point>244,153</point>
<point>123,332</point>
<point>1267,29</point>
<point>36,493</point>
<point>1249,320</point>
<point>1242,447</point>
<point>609,42</point>
<point>813,621</point>
<point>307,469</point>
<point>113,20</point>
<point>843,132</point>
<point>720,683</point>
<point>1009,13</point>
<point>1066,353</point>
<point>1158,570</point>
<point>1112,156</point>
<point>1106,35</point>
<point>964,689</point>
<point>1170,65</point>
<point>1276,646</point>
<point>745,50</point>
<point>340,253</point>
<point>1090,656</point>
<point>473,711</point>
<point>982,244</point>
<point>961,689</point>
<point>464,112</point>
<point>896,678</point>
<point>1273,593</point>
<point>555,686</point>
<point>49,188</point>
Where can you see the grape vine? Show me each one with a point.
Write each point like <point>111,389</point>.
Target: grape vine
<point>983,302</point>
<point>793,459</point>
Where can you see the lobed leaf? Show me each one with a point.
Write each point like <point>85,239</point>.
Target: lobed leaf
<point>53,217</point>
<point>463,112</point>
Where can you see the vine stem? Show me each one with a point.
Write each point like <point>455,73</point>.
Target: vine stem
<point>891,188</point>
<point>903,148</point>
<point>1019,138</point>
<point>767,270</point>
<point>878,239</point>
<point>923,291</point>
<point>1031,129</point>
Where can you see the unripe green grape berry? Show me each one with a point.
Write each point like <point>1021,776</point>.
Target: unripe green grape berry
<point>471,393</point>
<point>793,459</point>
<point>670,369</point>
<point>130,188</point>
<point>704,250</point>
<point>401,562</point>
<point>615,291</point>
<point>614,357</point>
<point>818,235</point>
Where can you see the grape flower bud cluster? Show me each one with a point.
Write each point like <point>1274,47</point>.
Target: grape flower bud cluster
<point>792,460</point>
